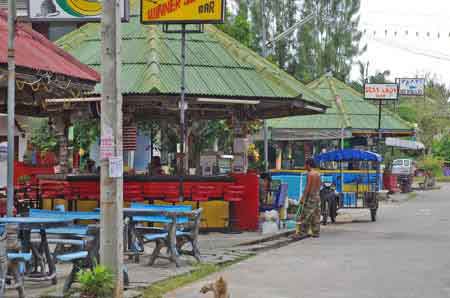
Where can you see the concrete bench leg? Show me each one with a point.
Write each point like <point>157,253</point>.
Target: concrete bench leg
<point>15,270</point>
<point>77,265</point>
<point>156,252</point>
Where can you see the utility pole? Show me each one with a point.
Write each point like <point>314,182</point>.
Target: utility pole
<point>265,44</point>
<point>264,54</point>
<point>184,164</point>
<point>111,186</point>
<point>380,134</point>
<point>11,103</point>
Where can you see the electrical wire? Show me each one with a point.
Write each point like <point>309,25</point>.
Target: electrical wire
<point>413,51</point>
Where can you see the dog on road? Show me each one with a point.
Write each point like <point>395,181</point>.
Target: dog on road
<point>219,288</point>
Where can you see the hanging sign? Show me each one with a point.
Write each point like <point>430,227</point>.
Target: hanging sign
<point>182,11</point>
<point>116,167</point>
<point>71,10</point>
<point>381,91</point>
<point>411,87</point>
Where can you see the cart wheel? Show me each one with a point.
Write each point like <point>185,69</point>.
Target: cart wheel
<point>373,214</point>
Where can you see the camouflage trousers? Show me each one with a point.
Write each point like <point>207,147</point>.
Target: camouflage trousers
<point>310,217</point>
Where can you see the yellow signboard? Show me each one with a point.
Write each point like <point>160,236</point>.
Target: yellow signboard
<point>182,11</point>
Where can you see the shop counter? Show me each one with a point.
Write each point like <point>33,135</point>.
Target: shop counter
<point>83,193</point>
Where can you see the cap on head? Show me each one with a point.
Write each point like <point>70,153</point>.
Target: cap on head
<point>310,163</point>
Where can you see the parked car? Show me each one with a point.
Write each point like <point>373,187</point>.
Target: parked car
<point>405,170</point>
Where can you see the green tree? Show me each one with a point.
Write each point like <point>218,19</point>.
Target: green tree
<point>85,133</point>
<point>238,26</point>
<point>331,41</point>
<point>43,138</point>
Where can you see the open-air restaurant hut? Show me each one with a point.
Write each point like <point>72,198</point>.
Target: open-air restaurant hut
<point>42,71</point>
<point>224,80</point>
<point>349,117</point>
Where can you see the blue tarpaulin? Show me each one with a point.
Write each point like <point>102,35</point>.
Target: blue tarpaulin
<point>348,155</point>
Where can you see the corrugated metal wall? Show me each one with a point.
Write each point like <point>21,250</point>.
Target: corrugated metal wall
<point>22,6</point>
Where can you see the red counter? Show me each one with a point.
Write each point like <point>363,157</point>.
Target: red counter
<point>139,188</point>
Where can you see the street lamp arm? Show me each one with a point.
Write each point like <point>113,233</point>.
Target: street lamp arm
<point>291,29</point>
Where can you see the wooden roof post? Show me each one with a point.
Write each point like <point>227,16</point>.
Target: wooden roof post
<point>62,123</point>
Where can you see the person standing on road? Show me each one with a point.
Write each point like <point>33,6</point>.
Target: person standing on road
<point>310,217</point>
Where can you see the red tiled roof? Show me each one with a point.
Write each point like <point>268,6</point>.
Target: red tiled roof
<point>36,52</point>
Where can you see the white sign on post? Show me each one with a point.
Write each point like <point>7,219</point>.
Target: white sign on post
<point>107,143</point>
<point>411,87</point>
<point>71,10</point>
<point>115,167</point>
<point>381,91</point>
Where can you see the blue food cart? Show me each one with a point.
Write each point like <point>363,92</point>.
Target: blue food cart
<point>356,175</point>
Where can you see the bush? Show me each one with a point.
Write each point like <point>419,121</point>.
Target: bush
<point>96,283</point>
<point>432,164</point>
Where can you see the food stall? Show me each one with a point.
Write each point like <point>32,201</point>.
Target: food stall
<point>225,81</point>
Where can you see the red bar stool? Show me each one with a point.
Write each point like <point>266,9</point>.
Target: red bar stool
<point>153,192</point>
<point>172,195</point>
<point>133,193</point>
<point>233,194</point>
<point>86,192</point>
<point>52,191</point>
<point>201,193</point>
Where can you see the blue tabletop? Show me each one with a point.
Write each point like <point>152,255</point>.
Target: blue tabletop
<point>38,220</point>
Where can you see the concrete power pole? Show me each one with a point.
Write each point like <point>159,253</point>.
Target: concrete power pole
<point>111,188</point>
<point>11,103</point>
<point>264,54</point>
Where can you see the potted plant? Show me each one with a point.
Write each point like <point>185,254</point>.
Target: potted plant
<point>96,283</point>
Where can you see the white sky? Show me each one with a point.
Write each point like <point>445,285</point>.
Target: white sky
<point>407,54</point>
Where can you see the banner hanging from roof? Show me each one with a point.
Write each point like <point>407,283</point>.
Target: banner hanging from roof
<point>70,10</point>
<point>182,11</point>
<point>411,87</point>
<point>381,91</point>
<point>406,144</point>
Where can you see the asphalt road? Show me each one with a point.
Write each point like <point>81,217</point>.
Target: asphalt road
<point>406,253</point>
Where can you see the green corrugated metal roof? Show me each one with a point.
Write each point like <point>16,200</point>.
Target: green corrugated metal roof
<point>217,65</point>
<point>351,111</point>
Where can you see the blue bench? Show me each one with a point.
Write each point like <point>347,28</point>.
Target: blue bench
<point>12,261</point>
<point>174,236</point>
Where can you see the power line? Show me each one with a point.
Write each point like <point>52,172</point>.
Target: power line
<point>413,51</point>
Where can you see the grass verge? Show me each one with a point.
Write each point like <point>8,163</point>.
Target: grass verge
<point>443,179</point>
<point>412,195</point>
<point>159,289</point>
